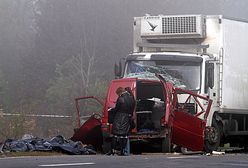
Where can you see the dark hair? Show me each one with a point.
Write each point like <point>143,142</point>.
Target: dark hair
<point>119,90</point>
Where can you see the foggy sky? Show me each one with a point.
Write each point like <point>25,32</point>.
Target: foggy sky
<point>40,39</point>
<point>36,35</point>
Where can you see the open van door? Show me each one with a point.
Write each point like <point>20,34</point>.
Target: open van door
<point>112,96</point>
<point>89,121</point>
<point>187,129</point>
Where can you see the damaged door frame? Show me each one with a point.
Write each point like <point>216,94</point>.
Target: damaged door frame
<point>78,107</point>
<point>179,127</point>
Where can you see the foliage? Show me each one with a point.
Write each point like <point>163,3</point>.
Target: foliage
<point>68,85</point>
<point>11,127</point>
<point>50,58</point>
<point>92,106</point>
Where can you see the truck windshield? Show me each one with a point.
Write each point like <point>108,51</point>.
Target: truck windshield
<point>183,74</point>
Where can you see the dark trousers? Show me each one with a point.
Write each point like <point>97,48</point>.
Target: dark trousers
<point>119,143</point>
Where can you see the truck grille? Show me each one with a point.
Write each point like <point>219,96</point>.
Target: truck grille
<point>179,25</point>
<point>173,27</point>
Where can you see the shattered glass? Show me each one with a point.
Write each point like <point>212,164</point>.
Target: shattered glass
<point>180,76</point>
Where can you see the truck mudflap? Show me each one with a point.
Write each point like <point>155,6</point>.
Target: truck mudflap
<point>90,132</point>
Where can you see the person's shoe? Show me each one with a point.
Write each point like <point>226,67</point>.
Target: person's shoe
<point>122,153</point>
<point>110,153</point>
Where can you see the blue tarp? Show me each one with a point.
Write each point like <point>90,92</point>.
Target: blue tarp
<point>58,143</point>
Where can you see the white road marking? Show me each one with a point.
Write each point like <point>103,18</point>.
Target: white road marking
<point>66,164</point>
<point>182,157</point>
<point>237,164</point>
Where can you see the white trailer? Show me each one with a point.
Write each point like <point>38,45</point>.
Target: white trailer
<point>206,54</point>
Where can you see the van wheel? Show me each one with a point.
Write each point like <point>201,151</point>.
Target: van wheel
<point>212,137</point>
<point>166,145</point>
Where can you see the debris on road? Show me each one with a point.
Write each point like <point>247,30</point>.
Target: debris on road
<point>218,153</point>
<point>215,153</point>
<point>58,143</point>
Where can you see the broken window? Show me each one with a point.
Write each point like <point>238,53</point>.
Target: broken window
<point>182,74</point>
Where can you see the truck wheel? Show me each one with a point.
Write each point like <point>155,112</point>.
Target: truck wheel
<point>166,145</point>
<point>212,137</point>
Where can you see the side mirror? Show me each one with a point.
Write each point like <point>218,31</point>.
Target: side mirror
<point>118,70</point>
<point>209,76</point>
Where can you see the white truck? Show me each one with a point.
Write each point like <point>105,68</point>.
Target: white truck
<point>206,54</point>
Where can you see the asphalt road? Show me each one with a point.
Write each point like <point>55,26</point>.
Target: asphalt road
<point>132,161</point>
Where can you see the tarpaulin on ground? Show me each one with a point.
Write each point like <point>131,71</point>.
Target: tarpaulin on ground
<point>58,143</point>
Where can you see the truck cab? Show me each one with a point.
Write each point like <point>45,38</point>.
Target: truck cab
<point>186,71</point>
<point>183,70</point>
<point>205,54</point>
<point>177,47</point>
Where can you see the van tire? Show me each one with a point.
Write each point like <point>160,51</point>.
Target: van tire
<point>212,139</point>
<point>166,145</point>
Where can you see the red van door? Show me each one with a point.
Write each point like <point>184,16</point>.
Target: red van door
<point>187,130</point>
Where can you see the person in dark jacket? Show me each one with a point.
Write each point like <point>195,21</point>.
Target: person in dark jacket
<point>132,124</point>
<point>121,125</point>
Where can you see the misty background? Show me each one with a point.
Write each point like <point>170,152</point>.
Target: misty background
<point>52,51</point>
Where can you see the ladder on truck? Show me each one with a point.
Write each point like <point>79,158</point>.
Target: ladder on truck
<point>220,75</point>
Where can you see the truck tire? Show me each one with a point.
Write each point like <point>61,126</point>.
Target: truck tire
<point>166,145</point>
<point>212,138</point>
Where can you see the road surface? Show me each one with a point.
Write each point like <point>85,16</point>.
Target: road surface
<point>133,161</point>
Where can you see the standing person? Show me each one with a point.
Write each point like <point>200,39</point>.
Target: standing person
<point>131,120</point>
<point>121,123</point>
<point>132,124</point>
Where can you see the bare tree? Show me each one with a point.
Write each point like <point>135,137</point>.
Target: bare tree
<point>83,63</point>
